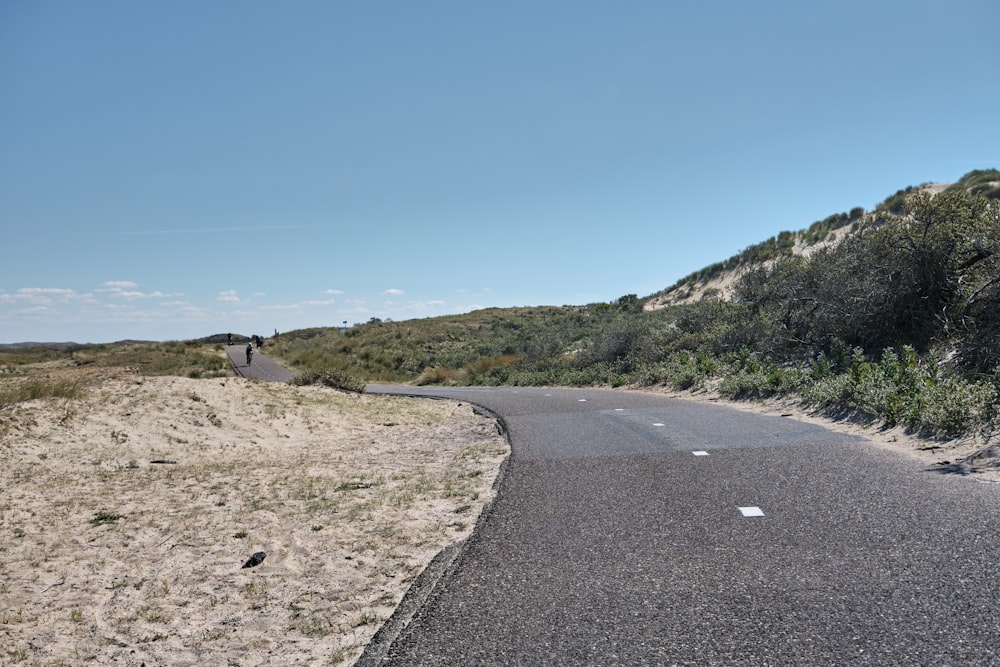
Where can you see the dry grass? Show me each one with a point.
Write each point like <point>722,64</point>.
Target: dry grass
<point>126,515</point>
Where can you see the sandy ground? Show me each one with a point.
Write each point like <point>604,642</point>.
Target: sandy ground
<point>126,518</point>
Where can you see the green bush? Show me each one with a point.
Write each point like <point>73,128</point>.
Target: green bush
<point>745,384</point>
<point>890,389</point>
<point>830,393</point>
<point>952,407</point>
<point>757,380</point>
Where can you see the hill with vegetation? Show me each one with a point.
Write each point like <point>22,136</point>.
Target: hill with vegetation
<point>891,315</point>
<point>717,280</point>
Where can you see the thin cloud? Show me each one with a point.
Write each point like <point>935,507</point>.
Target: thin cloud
<point>394,292</point>
<point>333,291</point>
<point>118,292</point>
<point>292,307</point>
<point>229,296</point>
<point>421,307</point>
<point>120,284</point>
<point>46,291</point>
<point>43,296</point>
<point>34,310</point>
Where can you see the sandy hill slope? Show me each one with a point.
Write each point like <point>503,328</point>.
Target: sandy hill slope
<point>718,281</point>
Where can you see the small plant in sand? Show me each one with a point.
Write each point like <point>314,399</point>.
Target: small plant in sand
<point>104,517</point>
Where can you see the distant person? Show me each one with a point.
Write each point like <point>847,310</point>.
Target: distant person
<point>229,339</point>
<point>249,353</point>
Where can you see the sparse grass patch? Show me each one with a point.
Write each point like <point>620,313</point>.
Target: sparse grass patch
<point>19,391</point>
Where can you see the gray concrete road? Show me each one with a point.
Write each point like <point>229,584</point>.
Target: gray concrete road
<point>635,529</point>
<point>259,368</point>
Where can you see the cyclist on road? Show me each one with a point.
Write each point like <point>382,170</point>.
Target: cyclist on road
<point>249,352</point>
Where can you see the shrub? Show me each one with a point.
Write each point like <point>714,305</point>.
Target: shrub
<point>952,407</point>
<point>331,377</point>
<point>745,384</point>
<point>889,389</point>
<point>440,375</point>
<point>830,392</point>
<point>682,370</point>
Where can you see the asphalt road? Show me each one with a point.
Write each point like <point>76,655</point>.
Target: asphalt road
<point>635,529</point>
<point>259,368</point>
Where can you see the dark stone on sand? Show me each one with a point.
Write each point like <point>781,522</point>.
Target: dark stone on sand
<point>255,560</point>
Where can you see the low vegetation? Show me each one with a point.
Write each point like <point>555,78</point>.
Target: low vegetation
<point>898,323</point>
<point>64,371</point>
<point>331,377</point>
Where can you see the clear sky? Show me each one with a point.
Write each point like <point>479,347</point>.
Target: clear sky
<point>172,170</point>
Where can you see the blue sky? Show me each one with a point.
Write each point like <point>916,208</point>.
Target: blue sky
<point>171,170</point>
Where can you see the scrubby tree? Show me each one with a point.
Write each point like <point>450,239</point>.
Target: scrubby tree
<point>929,276</point>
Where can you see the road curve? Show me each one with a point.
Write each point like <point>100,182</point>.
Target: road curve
<point>635,529</point>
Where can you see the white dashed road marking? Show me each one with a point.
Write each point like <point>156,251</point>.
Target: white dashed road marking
<point>657,424</point>
<point>700,453</point>
<point>751,511</point>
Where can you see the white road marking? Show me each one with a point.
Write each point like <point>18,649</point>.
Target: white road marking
<point>751,511</point>
<point>700,453</point>
<point>657,424</point>
<point>581,400</point>
<point>619,409</point>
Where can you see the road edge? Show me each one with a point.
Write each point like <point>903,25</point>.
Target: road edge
<point>445,562</point>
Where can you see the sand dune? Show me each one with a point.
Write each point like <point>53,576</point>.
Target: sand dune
<point>126,518</point>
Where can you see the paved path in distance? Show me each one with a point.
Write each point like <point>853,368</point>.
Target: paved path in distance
<point>260,368</point>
